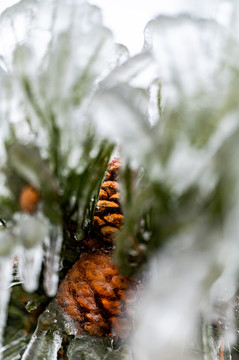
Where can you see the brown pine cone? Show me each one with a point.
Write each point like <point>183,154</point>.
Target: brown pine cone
<point>93,293</point>
<point>97,297</point>
<point>108,217</point>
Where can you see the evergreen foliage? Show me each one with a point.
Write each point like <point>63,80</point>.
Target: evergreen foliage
<point>66,108</point>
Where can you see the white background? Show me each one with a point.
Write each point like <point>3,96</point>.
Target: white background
<point>127,19</point>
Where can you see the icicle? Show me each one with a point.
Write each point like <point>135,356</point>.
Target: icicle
<point>216,344</point>
<point>5,280</point>
<point>224,348</point>
<point>30,266</point>
<point>122,54</point>
<point>32,231</point>
<point>12,350</point>
<point>154,101</point>
<point>7,245</point>
<point>46,340</point>
<point>208,343</point>
<point>53,244</point>
<point>43,345</point>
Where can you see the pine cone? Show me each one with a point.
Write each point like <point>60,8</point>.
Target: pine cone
<point>93,293</point>
<point>97,297</point>
<point>108,215</point>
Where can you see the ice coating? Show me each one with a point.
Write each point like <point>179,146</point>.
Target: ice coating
<point>199,124</point>
<point>168,312</point>
<point>97,349</point>
<point>53,41</point>
<point>34,35</point>
<point>182,45</point>
<point>128,70</point>
<point>119,114</point>
<point>46,340</point>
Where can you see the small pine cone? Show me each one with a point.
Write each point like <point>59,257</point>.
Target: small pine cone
<point>97,298</point>
<point>29,199</point>
<point>108,216</point>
